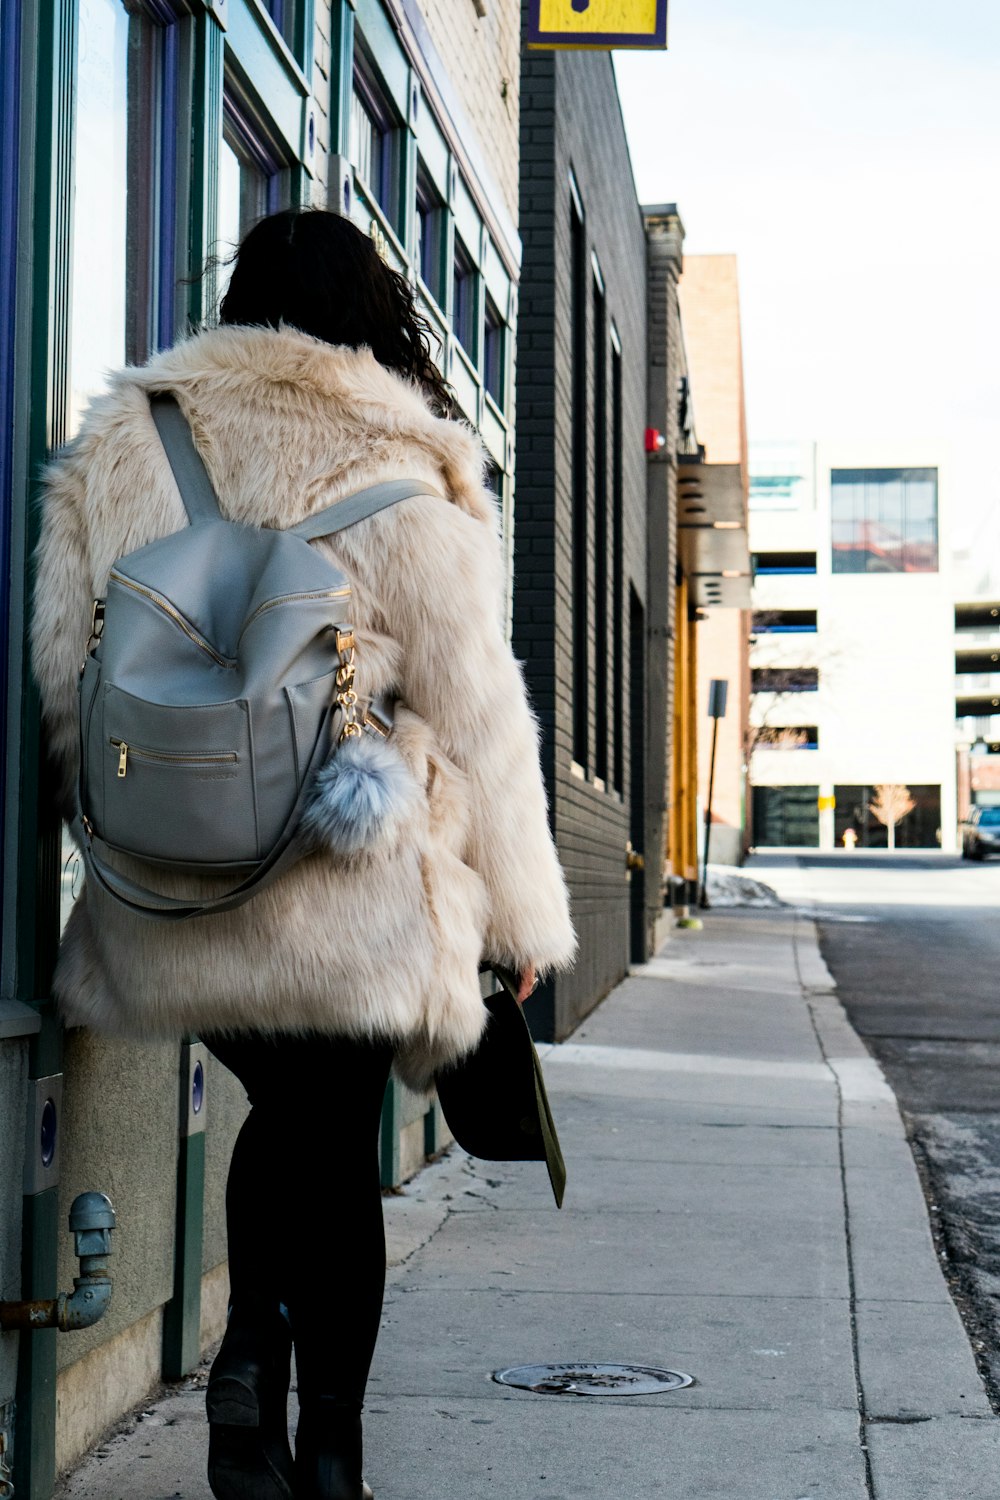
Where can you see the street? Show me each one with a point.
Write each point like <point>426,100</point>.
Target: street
<point>913,942</point>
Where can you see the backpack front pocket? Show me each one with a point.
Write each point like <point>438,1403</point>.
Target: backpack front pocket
<point>178,782</point>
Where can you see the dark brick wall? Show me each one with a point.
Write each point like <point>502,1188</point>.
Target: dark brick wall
<point>571,121</point>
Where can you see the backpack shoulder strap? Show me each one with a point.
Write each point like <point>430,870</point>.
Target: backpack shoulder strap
<point>359,506</point>
<point>200,500</point>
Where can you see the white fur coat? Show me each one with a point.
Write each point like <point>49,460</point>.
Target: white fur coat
<point>385,943</point>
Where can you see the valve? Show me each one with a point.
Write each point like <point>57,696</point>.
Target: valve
<point>91,1220</point>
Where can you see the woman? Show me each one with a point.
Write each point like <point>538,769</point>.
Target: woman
<point>317,384</point>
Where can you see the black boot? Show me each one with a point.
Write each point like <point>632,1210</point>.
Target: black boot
<point>246,1400</point>
<point>328,1451</point>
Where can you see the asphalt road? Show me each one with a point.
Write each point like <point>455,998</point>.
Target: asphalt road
<point>913,942</point>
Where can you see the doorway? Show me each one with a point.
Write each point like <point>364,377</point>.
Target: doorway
<point>637,774</point>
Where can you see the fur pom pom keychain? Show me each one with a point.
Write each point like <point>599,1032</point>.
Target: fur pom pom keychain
<point>361,796</point>
<point>364,791</point>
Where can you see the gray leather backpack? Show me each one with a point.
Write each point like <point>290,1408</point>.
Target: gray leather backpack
<point>220,729</point>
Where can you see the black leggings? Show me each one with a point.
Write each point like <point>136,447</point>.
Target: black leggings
<point>304,1200</point>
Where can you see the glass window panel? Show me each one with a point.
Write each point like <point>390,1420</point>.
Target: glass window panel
<point>494,354</point>
<point>365,135</point>
<point>373,142</point>
<point>888,494</point>
<point>154,205</point>
<point>883,520</point>
<point>230,172</point>
<point>430,231</point>
<point>252,182</point>
<point>463,316</point>
<point>97,332</point>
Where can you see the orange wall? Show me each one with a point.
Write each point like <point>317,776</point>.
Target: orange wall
<point>710,309</point>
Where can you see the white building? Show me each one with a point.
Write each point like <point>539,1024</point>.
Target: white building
<point>852,658</point>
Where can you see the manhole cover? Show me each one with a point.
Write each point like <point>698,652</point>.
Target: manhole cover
<point>586,1379</point>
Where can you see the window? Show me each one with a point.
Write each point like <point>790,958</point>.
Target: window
<point>920,829</point>
<point>97,331</point>
<point>984,616</point>
<point>765,563</point>
<point>884,520</point>
<point>374,143</point>
<point>429,249</point>
<point>284,14</point>
<point>787,737</point>
<point>97,334</point>
<point>253,179</point>
<point>617,558</point>
<point>981,664</point>
<point>784,679</point>
<point>495,354</point>
<point>581,530</point>
<point>155,217</point>
<point>463,307</point>
<point>784,622</point>
<point>786,817</point>
<point>600,449</point>
<point>782,476</point>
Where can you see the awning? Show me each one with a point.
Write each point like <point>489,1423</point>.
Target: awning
<point>712,533</point>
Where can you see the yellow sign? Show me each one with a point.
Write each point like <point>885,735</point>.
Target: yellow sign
<point>597,23</point>
<point>826,804</point>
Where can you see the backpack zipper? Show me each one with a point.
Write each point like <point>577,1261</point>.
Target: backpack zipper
<point>138,752</point>
<point>174,614</point>
<point>341,593</point>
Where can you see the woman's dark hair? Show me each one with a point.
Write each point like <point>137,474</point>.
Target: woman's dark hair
<point>317,272</point>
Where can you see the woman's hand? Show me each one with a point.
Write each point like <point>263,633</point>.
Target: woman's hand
<point>528,985</point>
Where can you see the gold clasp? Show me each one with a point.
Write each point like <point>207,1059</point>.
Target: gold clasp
<point>347,698</point>
<point>96,630</point>
<point>96,624</point>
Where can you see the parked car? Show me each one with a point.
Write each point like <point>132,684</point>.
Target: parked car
<point>981,833</point>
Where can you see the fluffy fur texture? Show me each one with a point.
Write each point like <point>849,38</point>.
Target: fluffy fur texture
<point>388,941</point>
<point>362,795</point>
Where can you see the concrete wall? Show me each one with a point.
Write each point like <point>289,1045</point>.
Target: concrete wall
<point>570,120</point>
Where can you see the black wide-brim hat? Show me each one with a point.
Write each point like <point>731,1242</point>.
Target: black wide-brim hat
<point>494,1098</point>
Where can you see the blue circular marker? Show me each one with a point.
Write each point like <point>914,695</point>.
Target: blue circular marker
<point>48,1133</point>
<point>198,1088</point>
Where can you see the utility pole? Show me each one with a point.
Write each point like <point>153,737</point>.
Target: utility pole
<point>718,691</point>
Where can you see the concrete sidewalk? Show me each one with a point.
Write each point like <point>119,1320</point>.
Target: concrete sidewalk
<point>742,1206</point>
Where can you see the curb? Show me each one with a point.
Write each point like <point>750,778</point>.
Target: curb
<point>920,1394</point>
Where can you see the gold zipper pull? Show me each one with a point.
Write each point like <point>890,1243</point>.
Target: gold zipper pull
<point>122,758</point>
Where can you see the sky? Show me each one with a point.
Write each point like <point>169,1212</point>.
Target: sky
<point>848,152</point>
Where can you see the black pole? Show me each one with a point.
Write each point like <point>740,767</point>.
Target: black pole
<point>708,813</point>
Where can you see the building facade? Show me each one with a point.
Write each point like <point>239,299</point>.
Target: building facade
<point>139,141</point>
<point>581,383</point>
<point>710,308</point>
<point>595,536</point>
<point>852,666</point>
<point>977,667</point>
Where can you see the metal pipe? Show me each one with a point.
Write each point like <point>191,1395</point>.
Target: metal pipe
<point>708,813</point>
<point>91,1220</point>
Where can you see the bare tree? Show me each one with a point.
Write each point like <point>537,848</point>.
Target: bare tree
<point>779,739</point>
<point>891,804</point>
